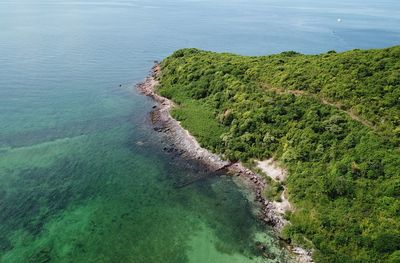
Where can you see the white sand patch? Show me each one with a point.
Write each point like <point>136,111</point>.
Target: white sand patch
<point>271,168</point>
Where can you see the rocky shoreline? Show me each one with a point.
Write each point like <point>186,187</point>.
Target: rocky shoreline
<point>270,212</point>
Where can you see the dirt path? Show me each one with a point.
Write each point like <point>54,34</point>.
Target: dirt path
<point>322,100</point>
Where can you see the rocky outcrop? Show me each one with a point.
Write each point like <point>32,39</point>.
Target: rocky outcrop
<point>180,138</point>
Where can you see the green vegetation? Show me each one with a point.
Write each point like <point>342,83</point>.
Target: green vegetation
<point>332,119</point>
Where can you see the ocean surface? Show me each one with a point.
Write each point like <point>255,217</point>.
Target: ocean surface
<point>83,177</point>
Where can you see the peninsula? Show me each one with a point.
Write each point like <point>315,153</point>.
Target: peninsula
<point>321,131</point>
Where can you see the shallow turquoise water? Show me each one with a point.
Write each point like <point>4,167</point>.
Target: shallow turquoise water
<point>83,177</point>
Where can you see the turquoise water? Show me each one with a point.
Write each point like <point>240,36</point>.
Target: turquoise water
<point>83,178</point>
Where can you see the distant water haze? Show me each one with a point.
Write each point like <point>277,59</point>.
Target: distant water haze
<point>83,177</point>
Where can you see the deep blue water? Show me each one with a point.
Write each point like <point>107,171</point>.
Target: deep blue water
<point>83,178</point>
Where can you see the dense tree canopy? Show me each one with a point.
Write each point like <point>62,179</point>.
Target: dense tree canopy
<point>332,119</point>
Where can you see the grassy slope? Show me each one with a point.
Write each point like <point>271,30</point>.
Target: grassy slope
<point>332,119</point>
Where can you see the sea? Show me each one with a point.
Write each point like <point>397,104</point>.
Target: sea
<point>83,175</point>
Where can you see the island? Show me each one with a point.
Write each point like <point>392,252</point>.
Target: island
<point>318,137</point>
